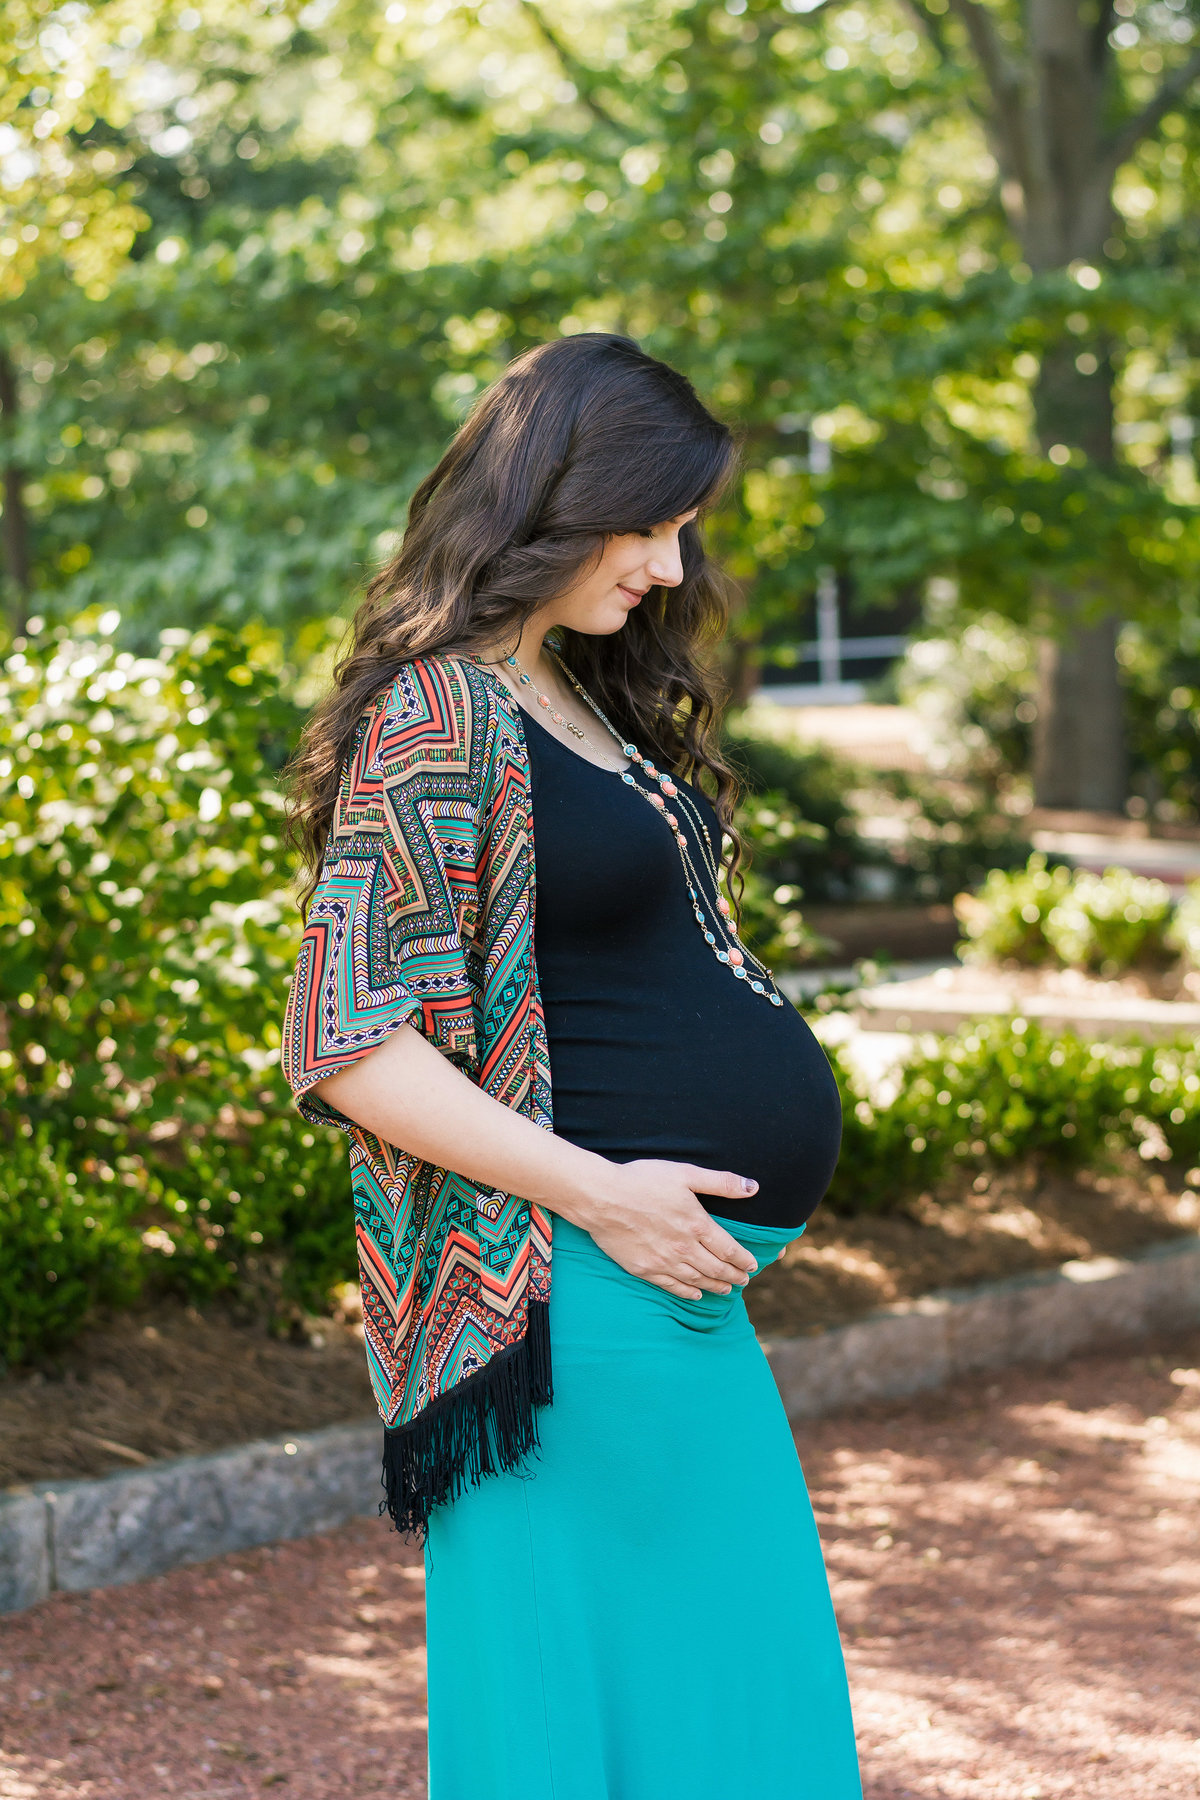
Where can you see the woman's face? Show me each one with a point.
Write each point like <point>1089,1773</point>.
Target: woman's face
<point>603,598</point>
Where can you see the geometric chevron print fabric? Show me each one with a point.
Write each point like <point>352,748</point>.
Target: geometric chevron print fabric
<point>423,918</point>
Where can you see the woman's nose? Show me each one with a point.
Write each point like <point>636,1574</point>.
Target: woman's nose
<point>665,567</point>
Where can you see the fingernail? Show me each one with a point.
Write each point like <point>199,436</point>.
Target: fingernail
<point>748,1186</point>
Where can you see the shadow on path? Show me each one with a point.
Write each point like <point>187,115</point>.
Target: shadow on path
<point>1016,1564</point>
<point>1015,1561</point>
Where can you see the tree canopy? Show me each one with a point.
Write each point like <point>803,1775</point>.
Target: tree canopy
<point>260,257</point>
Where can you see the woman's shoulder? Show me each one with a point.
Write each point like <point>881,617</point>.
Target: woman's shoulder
<point>438,710</point>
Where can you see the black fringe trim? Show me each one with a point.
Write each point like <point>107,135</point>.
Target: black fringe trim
<point>484,1426</point>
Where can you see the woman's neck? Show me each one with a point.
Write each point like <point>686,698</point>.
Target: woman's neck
<point>529,649</point>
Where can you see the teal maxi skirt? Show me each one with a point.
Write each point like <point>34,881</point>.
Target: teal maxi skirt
<point>642,1611</point>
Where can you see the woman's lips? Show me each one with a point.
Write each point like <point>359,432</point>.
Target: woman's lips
<point>630,594</point>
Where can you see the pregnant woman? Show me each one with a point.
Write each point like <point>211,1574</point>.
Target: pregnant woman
<point>580,1114</point>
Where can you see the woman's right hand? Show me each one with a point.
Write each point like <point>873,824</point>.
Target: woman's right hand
<point>646,1216</point>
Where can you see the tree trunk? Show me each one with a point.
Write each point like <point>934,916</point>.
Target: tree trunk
<point>1049,97</point>
<point>1080,758</point>
<point>15,526</point>
<point>1079,755</point>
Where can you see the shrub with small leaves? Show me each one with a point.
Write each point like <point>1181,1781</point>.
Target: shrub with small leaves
<point>1183,934</point>
<point>1111,922</point>
<point>1006,920</point>
<point>776,839</point>
<point>69,1245</point>
<point>146,928</point>
<point>1003,1090</point>
<point>1075,919</point>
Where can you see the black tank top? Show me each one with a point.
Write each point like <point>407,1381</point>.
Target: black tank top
<point>656,1048</point>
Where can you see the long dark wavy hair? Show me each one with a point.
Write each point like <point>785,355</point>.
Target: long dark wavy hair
<point>578,440</point>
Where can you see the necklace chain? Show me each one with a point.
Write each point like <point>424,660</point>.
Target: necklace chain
<point>720,933</point>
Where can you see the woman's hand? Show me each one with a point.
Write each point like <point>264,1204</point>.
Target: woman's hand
<point>646,1216</point>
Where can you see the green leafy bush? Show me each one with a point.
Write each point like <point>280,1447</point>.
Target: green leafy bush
<point>1111,922</point>
<point>800,837</point>
<point>1162,713</point>
<point>955,837</point>
<point>1004,1090</point>
<point>802,831</point>
<point>1006,920</point>
<point>1074,919</point>
<point>973,685</point>
<point>146,930</point>
<point>68,1246</point>
<point>973,682</point>
<point>1184,933</point>
<point>778,841</point>
<point>147,935</point>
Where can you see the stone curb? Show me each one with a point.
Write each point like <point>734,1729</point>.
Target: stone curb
<point>1042,1318</point>
<point>916,1006</point>
<point>75,1535</point>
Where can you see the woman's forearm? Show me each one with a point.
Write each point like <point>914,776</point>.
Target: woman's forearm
<point>407,1093</point>
<point>644,1214</point>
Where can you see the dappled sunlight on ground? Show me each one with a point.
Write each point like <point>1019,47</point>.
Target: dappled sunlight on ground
<point>1015,1563</point>
<point>1018,1574</point>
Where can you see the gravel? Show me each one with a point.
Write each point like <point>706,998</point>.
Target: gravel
<point>1015,1563</point>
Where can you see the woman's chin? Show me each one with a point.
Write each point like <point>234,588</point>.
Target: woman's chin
<point>603,622</point>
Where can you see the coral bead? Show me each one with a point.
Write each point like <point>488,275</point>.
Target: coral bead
<point>736,958</point>
<point>669,789</point>
<point>722,906</point>
<point>657,800</point>
<point>672,821</point>
<point>542,701</point>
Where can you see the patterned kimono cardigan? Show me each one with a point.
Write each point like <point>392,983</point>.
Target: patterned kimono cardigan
<point>423,917</point>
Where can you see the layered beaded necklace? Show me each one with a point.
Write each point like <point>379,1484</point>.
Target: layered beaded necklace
<point>720,933</point>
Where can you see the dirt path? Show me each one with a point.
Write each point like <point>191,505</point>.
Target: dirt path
<point>1016,1564</point>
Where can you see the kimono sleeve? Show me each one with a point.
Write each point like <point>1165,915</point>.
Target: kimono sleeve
<point>383,943</point>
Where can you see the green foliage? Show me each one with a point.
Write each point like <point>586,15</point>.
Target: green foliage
<point>1112,922</point>
<point>972,683</point>
<point>360,221</point>
<point>69,1246</point>
<point>1184,935</point>
<point>261,1217</point>
<point>146,933</point>
<point>1006,920</point>
<point>274,1204</point>
<point>781,845</point>
<point>800,839</point>
<point>955,837</point>
<point>1005,1090</point>
<point>797,822</point>
<point>1075,919</point>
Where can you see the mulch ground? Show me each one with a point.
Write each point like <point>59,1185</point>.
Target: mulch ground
<point>174,1382</point>
<point>1015,1562</point>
